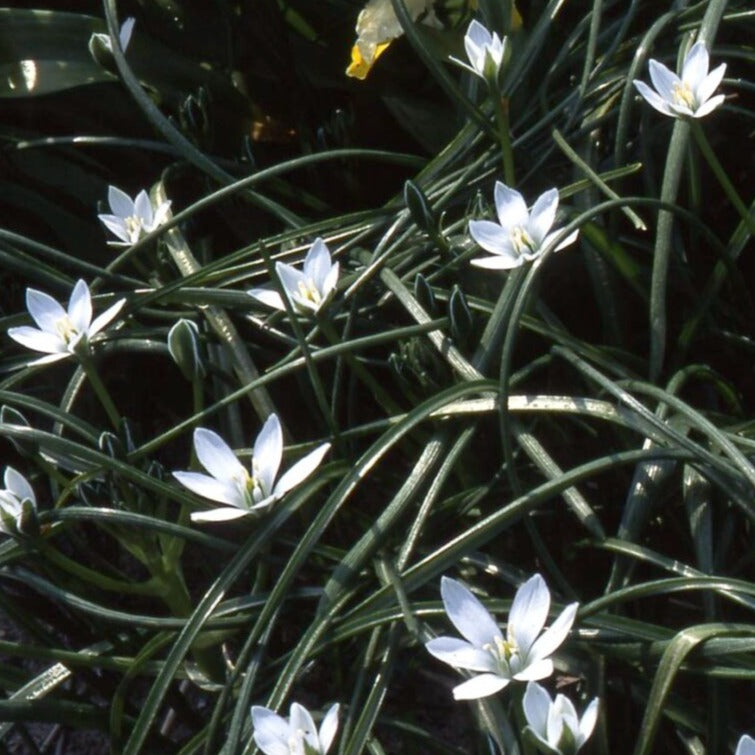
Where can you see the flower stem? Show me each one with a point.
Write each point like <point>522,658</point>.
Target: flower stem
<point>723,178</point>
<point>504,135</point>
<point>101,391</point>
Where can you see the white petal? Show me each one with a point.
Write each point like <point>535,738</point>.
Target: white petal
<point>329,727</point>
<point>510,206</point>
<point>588,720</point>
<point>480,686</point>
<point>216,457</point>
<point>301,470</point>
<point>290,278</point>
<point>542,216</point>
<point>161,214</point>
<point>105,317</point>
<point>38,340</point>
<point>498,262</point>
<point>271,731</point>
<point>467,614</point>
<point>709,84</point>
<point>745,746</point>
<point>127,29</point>
<point>536,704</point>
<point>268,297</point>
<point>266,456</point>
<point>80,306</point>
<point>554,726</point>
<point>45,311</point>
<point>664,80</point>
<point>528,613</point>
<point>555,634</point>
<point>117,226</point>
<point>329,283</point>
<point>143,209</point>
<point>476,40</point>
<point>317,263</point>
<point>17,484</point>
<point>492,238</point>
<point>460,654</point>
<point>208,487</point>
<point>300,720</point>
<point>709,106</point>
<point>535,671</point>
<point>49,359</point>
<point>653,98</point>
<point>568,241</point>
<point>695,66</point>
<point>121,203</point>
<point>223,514</point>
<point>263,504</point>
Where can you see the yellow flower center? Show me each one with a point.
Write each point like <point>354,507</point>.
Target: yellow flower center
<point>683,95</point>
<point>308,291</point>
<point>502,650</point>
<point>134,226</point>
<point>521,240</point>
<point>66,329</point>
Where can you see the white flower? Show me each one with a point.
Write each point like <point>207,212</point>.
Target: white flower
<point>745,746</point>
<point>124,36</point>
<point>307,289</point>
<point>519,236</point>
<point>485,51</point>
<point>230,483</point>
<point>17,501</point>
<point>377,27</point>
<point>522,655</point>
<point>297,736</point>
<point>132,218</point>
<point>555,723</point>
<point>689,95</point>
<point>61,333</point>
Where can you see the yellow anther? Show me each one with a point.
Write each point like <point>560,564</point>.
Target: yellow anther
<point>683,95</point>
<point>308,291</point>
<point>134,226</point>
<point>521,240</point>
<point>66,329</point>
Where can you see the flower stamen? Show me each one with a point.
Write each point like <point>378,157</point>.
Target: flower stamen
<point>683,95</point>
<point>522,241</point>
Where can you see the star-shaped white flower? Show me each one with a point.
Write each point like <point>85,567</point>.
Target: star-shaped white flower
<point>485,52</point>
<point>307,289</point>
<point>229,481</point>
<point>690,95</point>
<point>521,656</point>
<point>274,735</point>
<point>555,723</point>
<point>518,236</point>
<point>17,501</point>
<point>61,334</point>
<point>745,746</point>
<point>132,218</point>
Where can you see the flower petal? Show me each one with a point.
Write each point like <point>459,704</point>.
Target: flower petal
<point>143,209</point>
<point>709,106</point>
<point>695,66</point>
<point>268,297</point>
<point>290,278</point>
<point>104,318</point>
<point>535,671</point>
<point>542,216</point>
<point>80,307</point>
<point>208,487</point>
<point>479,686</point>
<point>38,340</point>
<point>476,40</point>
<point>45,311</point>
<point>216,457</point>
<point>271,731</point>
<point>223,514</point>
<point>555,634</point>
<point>567,241</point>
<point>301,470</point>
<point>653,98</point>
<point>498,262</point>
<point>709,84</point>
<point>268,449</point>
<point>300,721</point>
<point>329,727</point>
<point>492,238</point>
<point>460,654</point>
<point>745,746</point>
<point>664,80</point>
<point>467,613</point>
<point>117,226</point>
<point>49,359</point>
<point>17,484</point>
<point>330,281</point>
<point>120,203</point>
<point>536,703</point>
<point>317,263</point>
<point>588,721</point>
<point>528,613</point>
<point>510,207</point>
<point>161,214</point>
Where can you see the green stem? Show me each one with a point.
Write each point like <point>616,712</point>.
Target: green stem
<point>504,135</point>
<point>102,393</point>
<point>723,178</point>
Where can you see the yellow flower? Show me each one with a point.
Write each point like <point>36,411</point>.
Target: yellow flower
<point>377,27</point>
